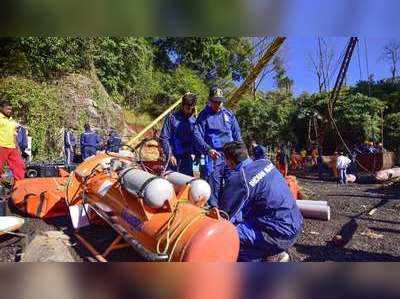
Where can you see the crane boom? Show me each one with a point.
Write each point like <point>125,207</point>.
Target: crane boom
<point>343,71</point>
<point>256,70</point>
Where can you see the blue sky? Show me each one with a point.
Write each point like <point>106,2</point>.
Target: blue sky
<point>297,49</point>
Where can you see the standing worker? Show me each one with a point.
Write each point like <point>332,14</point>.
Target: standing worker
<point>114,142</point>
<point>177,136</point>
<point>22,139</point>
<point>215,127</point>
<point>261,206</point>
<point>320,163</point>
<point>282,160</point>
<point>69,145</point>
<point>90,142</point>
<point>9,149</point>
<point>342,163</point>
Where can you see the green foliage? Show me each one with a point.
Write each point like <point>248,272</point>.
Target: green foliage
<point>42,57</point>
<point>211,57</point>
<point>124,65</point>
<point>386,90</point>
<point>267,119</point>
<point>171,86</point>
<point>392,131</point>
<point>36,105</point>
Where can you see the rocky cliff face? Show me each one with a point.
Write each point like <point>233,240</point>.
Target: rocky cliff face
<point>46,108</point>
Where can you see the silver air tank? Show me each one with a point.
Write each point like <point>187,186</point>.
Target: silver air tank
<point>199,189</point>
<point>154,190</point>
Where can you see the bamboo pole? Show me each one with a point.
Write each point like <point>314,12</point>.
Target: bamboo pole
<point>136,138</point>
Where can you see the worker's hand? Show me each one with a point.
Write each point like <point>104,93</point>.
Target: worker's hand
<point>214,154</point>
<point>173,161</point>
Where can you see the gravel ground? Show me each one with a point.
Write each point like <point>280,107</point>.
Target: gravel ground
<point>365,216</point>
<point>365,235</point>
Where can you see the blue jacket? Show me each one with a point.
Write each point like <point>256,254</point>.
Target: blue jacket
<point>69,139</point>
<point>177,134</point>
<point>22,138</point>
<point>90,139</point>
<point>257,195</point>
<point>259,152</point>
<point>114,143</point>
<point>214,129</point>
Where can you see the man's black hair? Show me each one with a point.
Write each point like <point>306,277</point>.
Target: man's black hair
<point>86,126</point>
<point>189,99</point>
<point>236,151</point>
<point>5,103</point>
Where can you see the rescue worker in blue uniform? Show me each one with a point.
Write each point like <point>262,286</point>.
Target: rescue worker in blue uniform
<point>90,142</point>
<point>114,142</point>
<point>215,127</point>
<point>69,145</point>
<point>22,139</point>
<point>260,205</point>
<point>177,136</point>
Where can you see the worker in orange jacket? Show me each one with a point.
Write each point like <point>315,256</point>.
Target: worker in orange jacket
<point>9,150</point>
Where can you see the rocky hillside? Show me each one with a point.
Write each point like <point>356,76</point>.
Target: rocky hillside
<point>47,107</point>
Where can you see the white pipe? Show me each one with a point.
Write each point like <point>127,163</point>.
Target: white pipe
<point>315,211</point>
<point>312,202</point>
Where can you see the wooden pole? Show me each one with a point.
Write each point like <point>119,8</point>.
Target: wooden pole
<point>136,138</point>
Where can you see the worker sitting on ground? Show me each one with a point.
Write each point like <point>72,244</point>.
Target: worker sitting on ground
<point>260,205</point>
<point>113,142</point>
<point>342,163</point>
<point>177,136</point>
<point>90,142</point>
<point>259,151</point>
<point>9,149</point>
<point>215,127</point>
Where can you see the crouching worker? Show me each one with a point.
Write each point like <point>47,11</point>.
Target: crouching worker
<point>260,205</point>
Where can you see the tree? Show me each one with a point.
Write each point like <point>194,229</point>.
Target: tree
<point>211,57</point>
<point>282,81</point>
<point>322,64</point>
<point>391,54</point>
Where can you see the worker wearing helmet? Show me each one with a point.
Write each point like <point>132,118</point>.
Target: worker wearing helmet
<point>90,142</point>
<point>260,205</point>
<point>215,127</point>
<point>177,136</point>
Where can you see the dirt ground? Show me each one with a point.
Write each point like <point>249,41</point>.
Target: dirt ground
<point>365,216</point>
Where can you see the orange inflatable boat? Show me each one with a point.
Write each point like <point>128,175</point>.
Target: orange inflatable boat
<point>162,218</point>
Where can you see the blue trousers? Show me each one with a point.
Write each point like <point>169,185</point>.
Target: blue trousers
<point>69,155</point>
<point>256,245</point>
<point>342,175</point>
<point>88,151</point>
<point>215,173</point>
<point>184,164</point>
